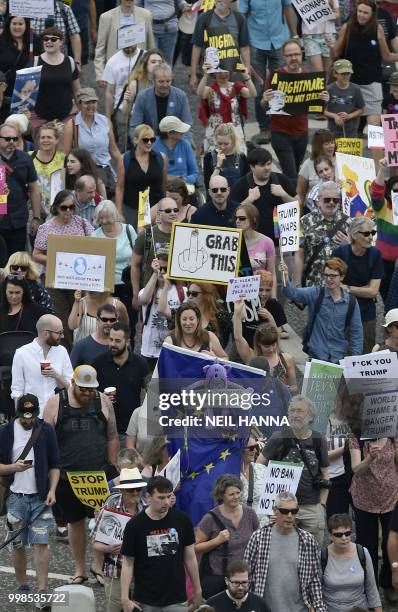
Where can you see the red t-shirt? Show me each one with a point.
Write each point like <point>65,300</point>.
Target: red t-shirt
<point>295,125</point>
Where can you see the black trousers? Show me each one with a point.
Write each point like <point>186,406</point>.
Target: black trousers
<point>367,529</point>
<point>339,498</point>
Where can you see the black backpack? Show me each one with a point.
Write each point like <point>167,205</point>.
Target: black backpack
<point>361,557</point>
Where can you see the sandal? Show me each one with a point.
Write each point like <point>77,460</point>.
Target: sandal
<point>98,577</point>
<point>78,579</point>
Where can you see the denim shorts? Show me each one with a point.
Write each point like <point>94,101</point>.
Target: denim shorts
<point>314,44</point>
<point>20,510</point>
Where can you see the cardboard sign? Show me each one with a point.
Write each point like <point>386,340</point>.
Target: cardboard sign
<point>313,13</point>
<point>390,131</point>
<point>31,8</point>
<point>172,470</point>
<point>289,226</point>
<point>128,36</point>
<point>301,93</point>
<point>26,89</point>
<point>144,210</point>
<point>204,253</point>
<point>111,526</point>
<point>320,385</point>
<point>356,175</point>
<point>90,488</point>
<point>220,38</point>
<point>246,287</point>
<point>380,416</point>
<point>371,373</point>
<point>279,476</point>
<point>375,137</point>
<point>3,196</point>
<point>76,273</point>
<point>352,146</point>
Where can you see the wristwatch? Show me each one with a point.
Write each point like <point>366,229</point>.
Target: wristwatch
<point>394,565</point>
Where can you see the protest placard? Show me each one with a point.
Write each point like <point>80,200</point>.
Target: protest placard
<point>144,210</point>
<point>57,183</point>
<point>80,262</point>
<point>301,93</point>
<point>320,384</point>
<point>356,175</point>
<point>314,12</point>
<point>243,287</point>
<point>204,253</point>
<point>380,415</point>
<point>289,226</point>
<point>134,34</point>
<point>390,132</point>
<point>375,137</point>
<point>111,526</point>
<point>3,196</point>
<point>31,8</point>
<point>279,476</point>
<point>352,146</point>
<point>91,488</point>
<point>172,470</point>
<point>371,373</point>
<point>219,37</point>
<point>26,89</point>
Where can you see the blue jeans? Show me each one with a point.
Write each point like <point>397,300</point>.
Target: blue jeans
<point>166,42</point>
<point>290,151</point>
<point>264,60</point>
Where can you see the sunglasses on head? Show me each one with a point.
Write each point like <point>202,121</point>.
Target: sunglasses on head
<point>287,510</point>
<point>169,210</point>
<point>10,138</point>
<point>151,140</point>
<point>108,319</point>
<point>368,233</point>
<point>330,200</point>
<point>65,207</point>
<point>340,534</point>
<point>50,39</point>
<point>217,189</point>
<point>193,293</point>
<point>16,267</point>
<point>240,218</point>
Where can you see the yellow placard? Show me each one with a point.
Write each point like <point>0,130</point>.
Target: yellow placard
<point>144,210</point>
<point>207,5</point>
<point>90,488</point>
<point>352,146</point>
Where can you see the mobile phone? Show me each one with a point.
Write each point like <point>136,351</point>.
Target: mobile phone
<point>28,461</point>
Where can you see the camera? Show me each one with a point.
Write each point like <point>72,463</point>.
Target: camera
<point>321,483</point>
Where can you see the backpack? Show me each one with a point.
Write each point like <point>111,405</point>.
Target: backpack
<point>310,324</point>
<point>361,557</point>
<point>347,459</point>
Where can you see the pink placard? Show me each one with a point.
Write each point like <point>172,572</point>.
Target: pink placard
<point>3,196</point>
<point>390,131</point>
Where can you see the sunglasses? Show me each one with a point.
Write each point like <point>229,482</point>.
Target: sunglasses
<point>330,200</point>
<point>51,38</point>
<point>288,510</point>
<point>108,319</point>
<point>368,233</point>
<point>149,140</point>
<point>217,189</point>
<point>340,534</point>
<point>193,293</point>
<point>17,267</point>
<point>169,210</point>
<point>90,389</point>
<point>64,207</point>
<point>163,268</point>
<point>251,448</point>
<point>10,138</point>
<point>240,218</point>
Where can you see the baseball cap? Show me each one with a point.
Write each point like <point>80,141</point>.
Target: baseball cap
<point>173,124</point>
<point>87,94</point>
<point>85,376</point>
<point>391,317</point>
<point>342,65</point>
<point>27,406</point>
<point>393,79</point>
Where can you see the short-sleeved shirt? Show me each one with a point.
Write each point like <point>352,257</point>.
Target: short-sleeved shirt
<point>240,35</point>
<point>117,70</point>
<point>261,252</point>
<point>22,172</point>
<point>210,215</point>
<point>86,350</point>
<point>306,493</point>
<point>76,227</point>
<point>344,100</point>
<point>157,547</point>
<point>64,20</point>
<point>55,97</point>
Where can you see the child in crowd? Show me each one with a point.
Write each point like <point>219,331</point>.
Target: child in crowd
<point>346,103</point>
<point>390,102</point>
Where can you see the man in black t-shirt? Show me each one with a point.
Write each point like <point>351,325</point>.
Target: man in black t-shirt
<point>157,544</point>
<point>237,595</point>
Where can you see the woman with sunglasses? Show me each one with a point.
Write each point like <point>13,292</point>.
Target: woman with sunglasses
<point>20,264</point>
<point>82,319</point>
<point>364,274</point>
<point>348,578</point>
<point>177,190</point>
<point>189,332</point>
<point>214,317</point>
<point>252,477</point>
<point>144,169</point>
<point>323,143</point>
<point>18,311</point>
<point>79,163</point>
<point>63,222</point>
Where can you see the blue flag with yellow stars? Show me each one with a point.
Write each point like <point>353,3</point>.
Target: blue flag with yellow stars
<point>204,408</point>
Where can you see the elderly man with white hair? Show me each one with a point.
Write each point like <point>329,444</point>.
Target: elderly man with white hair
<point>364,274</point>
<point>299,443</point>
<point>297,587</point>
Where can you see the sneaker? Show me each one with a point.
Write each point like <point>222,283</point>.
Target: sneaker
<point>264,136</point>
<point>61,534</point>
<point>45,604</point>
<point>24,589</point>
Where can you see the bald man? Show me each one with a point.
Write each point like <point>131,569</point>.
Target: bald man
<point>219,208</point>
<point>42,366</point>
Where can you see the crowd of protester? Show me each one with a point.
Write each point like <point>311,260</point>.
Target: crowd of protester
<point>79,373</point>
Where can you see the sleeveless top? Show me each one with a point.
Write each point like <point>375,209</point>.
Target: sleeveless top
<point>364,54</point>
<point>205,346</point>
<point>82,435</point>
<point>280,370</point>
<point>87,323</point>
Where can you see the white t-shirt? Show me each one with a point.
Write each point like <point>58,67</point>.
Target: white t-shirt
<point>156,329</point>
<point>336,434</point>
<point>24,482</point>
<point>116,71</point>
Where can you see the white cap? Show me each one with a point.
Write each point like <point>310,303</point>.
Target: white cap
<point>173,124</point>
<point>391,317</point>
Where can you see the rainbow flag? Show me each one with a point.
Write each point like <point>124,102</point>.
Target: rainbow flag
<point>276,224</point>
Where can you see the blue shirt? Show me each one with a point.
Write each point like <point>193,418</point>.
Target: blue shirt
<point>328,341</point>
<point>266,23</point>
<point>95,138</point>
<point>181,160</point>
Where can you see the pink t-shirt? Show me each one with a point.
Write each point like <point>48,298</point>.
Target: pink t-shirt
<point>259,252</point>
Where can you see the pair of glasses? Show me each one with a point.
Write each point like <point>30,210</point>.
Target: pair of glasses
<point>288,510</point>
<point>217,189</point>
<point>58,333</point>
<point>340,534</point>
<point>237,583</point>
<point>169,210</point>
<point>331,275</point>
<point>240,218</point>
<point>151,140</point>
<point>163,269</point>
<point>64,207</point>
<point>17,267</point>
<point>251,448</point>
<point>193,293</point>
<point>108,319</point>
<point>52,39</point>
<point>331,200</point>
<point>10,138</point>
<point>368,233</point>
<point>89,389</point>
